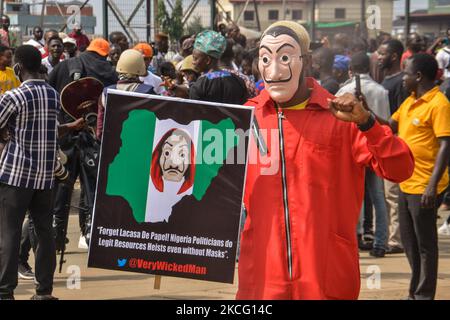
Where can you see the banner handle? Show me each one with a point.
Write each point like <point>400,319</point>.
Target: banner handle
<point>157,283</point>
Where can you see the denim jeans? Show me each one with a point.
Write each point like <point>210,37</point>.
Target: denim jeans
<point>374,185</point>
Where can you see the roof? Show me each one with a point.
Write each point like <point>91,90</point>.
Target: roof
<point>68,3</point>
<point>271,1</point>
<point>324,25</point>
<point>424,15</point>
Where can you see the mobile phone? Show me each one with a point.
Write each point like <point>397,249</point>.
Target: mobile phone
<point>358,85</point>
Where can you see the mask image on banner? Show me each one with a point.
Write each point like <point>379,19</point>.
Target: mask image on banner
<point>172,169</point>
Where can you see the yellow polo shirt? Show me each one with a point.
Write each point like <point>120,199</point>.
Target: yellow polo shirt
<point>8,80</point>
<point>420,123</point>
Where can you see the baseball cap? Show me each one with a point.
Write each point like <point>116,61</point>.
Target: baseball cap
<point>145,49</point>
<point>100,46</point>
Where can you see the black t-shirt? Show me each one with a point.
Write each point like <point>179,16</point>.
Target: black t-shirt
<point>397,93</point>
<point>331,85</point>
<point>219,86</point>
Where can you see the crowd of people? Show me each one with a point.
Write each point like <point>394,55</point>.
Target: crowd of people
<point>401,86</point>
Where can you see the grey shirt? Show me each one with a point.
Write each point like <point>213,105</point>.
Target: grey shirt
<point>377,97</point>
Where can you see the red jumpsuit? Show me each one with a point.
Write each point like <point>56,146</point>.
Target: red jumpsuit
<point>299,239</point>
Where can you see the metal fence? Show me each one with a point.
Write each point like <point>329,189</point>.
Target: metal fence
<point>137,18</point>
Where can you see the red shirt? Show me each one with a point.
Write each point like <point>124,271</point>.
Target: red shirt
<point>82,40</point>
<point>325,164</point>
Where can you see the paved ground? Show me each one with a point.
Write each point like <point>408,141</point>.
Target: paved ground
<point>98,284</point>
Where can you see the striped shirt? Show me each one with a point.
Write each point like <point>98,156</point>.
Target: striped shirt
<point>30,114</point>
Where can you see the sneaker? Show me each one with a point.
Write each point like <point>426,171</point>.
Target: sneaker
<point>43,297</point>
<point>444,230</point>
<point>25,271</point>
<point>82,243</point>
<point>394,250</point>
<point>377,252</point>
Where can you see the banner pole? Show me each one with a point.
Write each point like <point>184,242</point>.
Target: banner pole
<point>157,283</point>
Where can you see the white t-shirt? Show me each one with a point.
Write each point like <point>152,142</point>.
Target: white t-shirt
<point>47,64</point>
<point>155,82</point>
<point>37,44</point>
<point>443,59</point>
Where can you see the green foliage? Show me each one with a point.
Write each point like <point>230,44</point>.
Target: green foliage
<point>171,23</point>
<point>163,17</point>
<point>195,25</point>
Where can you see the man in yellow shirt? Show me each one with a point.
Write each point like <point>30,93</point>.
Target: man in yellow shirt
<point>423,122</point>
<point>8,79</point>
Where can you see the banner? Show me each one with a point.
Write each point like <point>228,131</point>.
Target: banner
<point>170,186</point>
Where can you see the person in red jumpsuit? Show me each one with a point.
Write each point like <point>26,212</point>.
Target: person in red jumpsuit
<point>305,178</point>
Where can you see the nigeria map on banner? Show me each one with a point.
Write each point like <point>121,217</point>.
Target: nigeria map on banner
<point>170,186</point>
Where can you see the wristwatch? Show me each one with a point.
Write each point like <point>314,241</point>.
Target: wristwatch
<point>368,125</point>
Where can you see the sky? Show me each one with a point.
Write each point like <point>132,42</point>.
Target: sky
<point>399,6</point>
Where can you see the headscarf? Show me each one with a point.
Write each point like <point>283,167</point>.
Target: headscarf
<point>341,62</point>
<point>211,43</point>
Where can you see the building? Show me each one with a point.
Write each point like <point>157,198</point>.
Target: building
<point>23,18</point>
<point>332,16</point>
<point>431,23</point>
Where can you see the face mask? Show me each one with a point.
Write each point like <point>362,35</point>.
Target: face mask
<point>280,65</point>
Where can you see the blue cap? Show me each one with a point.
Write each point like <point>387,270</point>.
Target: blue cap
<point>341,62</point>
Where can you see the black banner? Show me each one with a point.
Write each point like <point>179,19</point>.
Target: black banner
<point>170,187</point>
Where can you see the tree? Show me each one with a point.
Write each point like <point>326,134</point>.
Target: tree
<point>195,25</point>
<point>163,17</point>
<point>176,23</point>
<point>171,24</point>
